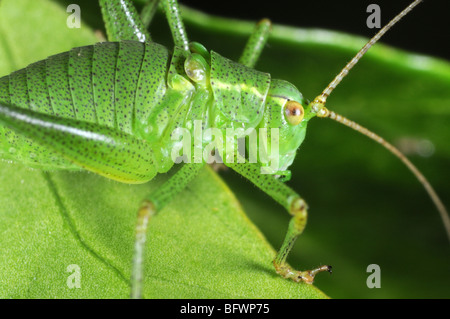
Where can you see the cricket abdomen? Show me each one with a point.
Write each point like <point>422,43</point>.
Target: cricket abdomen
<point>125,89</point>
<point>111,84</point>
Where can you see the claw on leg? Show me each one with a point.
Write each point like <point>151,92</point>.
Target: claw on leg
<point>298,210</point>
<point>306,276</point>
<point>295,206</point>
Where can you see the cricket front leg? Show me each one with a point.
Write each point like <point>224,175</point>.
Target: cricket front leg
<point>295,206</point>
<point>122,21</point>
<point>298,210</point>
<point>176,25</point>
<point>255,44</point>
<point>149,207</point>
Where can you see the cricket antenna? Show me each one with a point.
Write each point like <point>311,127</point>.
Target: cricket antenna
<point>318,107</point>
<point>431,192</point>
<point>364,49</point>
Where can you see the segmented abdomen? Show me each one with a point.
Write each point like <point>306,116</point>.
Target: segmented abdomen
<point>114,84</point>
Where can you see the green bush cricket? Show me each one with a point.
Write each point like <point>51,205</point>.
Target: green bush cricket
<point>118,173</point>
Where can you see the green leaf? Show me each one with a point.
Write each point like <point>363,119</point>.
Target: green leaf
<point>364,206</point>
<point>200,246</point>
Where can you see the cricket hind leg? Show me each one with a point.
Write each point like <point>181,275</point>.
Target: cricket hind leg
<point>295,206</point>
<point>255,44</point>
<point>150,206</point>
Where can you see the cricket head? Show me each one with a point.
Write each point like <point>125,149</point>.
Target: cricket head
<point>286,110</point>
<point>284,122</point>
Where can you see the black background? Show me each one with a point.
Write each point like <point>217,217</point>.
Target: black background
<point>425,30</point>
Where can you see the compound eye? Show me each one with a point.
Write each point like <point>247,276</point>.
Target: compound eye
<point>293,112</point>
